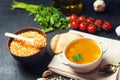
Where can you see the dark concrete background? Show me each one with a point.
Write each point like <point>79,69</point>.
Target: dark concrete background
<point>12,20</point>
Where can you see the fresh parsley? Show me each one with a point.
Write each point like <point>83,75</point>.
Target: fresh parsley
<point>48,18</point>
<point>77,57</point>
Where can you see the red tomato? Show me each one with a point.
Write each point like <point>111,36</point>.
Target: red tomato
<point>90,20</point>
<point>74,24</point>
<point>83,26</point>
<point>107,26</point>
<point>81,19</point>
<point>99,22</point>
<point>73,17</point>
<point>92,28</point>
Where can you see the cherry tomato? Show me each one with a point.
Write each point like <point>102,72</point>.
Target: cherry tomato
<point>81,19</point>
<point>83,26</point>
<point>73,17</point>
<point>74,24</point>
<point>99,22</point>
<point>90,20</point>
<point>107,26</point>
<point>92,28</point>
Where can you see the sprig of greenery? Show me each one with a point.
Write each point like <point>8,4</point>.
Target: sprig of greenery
<point>48,18</point>
<point>28,7</point>
<point>77,57</point>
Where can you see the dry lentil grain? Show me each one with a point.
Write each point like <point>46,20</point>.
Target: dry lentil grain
<point>24,48</point>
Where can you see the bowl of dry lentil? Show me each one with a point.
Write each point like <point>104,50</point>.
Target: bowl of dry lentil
<point>24,51</point>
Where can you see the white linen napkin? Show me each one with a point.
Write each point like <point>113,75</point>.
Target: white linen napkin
<point>111,56</point>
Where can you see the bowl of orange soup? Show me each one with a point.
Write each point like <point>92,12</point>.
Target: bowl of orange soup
<point>83,54</point>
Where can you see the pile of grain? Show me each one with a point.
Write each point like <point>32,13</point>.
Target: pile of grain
<point>24,48</point>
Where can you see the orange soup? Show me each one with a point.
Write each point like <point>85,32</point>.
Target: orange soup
<point>83,51</point>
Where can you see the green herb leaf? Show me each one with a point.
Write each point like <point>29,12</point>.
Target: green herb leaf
<point>77,57</point>
<point>48,18</point>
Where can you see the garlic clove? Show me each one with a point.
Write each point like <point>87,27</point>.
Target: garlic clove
<point>117,30</point>
<point>46,73</point>
<point>99,5</point>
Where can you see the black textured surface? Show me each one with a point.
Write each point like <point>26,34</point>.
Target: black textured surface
<point>12,20</point>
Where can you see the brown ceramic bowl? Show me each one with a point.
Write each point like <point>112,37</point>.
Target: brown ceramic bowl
<point>34,57</point>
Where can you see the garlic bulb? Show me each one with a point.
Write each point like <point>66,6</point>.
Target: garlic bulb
<point>117,30</point>
<point>99,5</point>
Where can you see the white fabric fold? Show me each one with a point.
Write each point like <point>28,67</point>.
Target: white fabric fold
<point>110,56</point>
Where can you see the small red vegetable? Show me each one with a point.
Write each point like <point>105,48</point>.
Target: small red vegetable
<point>73,17</point>
<point>74,25</point>
<point>99,22</point>
<point>89,24</point>
<point>90,20</point>
<point>81,19</point>
<point>107,26</point>
<point>92,28</point>
<point>83,26</point>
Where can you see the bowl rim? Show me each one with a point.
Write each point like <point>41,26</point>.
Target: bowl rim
<point>24,30</point>
<point>90,63</point>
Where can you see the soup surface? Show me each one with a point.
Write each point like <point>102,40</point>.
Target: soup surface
<point>83,51</point>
